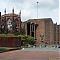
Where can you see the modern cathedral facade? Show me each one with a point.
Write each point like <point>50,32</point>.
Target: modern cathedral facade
<point>43,30</point>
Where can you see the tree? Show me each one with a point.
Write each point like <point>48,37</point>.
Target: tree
<point>27,40</point>
<point>30,40</point>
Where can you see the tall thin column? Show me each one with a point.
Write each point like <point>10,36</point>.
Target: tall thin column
<point>34,32</point>
<point>30,29</point>
<point>0,21</point>
<point>5,21</point>
<point>19,18</point>
<point>13,24</point>
<point>37,9</point>
<point>0,17</point>
<point>26,28</point>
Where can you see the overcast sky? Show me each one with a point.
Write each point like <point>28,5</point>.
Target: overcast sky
<point>46,8</point>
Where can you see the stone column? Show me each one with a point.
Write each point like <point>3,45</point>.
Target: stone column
<point>26,28</point>
<point>0,21</point>
<point>5,23</point>
<point>30,29</point>
<point>34,32</point>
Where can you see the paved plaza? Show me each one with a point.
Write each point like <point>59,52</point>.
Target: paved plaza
<point>31,54</point>
<point>41,49</point>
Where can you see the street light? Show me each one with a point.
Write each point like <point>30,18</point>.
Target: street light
<point>37,8</point>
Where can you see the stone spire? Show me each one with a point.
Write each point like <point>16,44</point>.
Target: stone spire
<point>5,11</point>
<point>20,14</point>
<point>13,10</point>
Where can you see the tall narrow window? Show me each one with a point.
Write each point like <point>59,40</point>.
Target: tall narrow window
<point>9,25</point>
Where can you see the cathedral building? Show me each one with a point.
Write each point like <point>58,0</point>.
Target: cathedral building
<point>10,23</point>
<point>43,30</point>
<point>56,34</point>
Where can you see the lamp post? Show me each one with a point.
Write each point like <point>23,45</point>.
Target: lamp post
<point>37,9</point>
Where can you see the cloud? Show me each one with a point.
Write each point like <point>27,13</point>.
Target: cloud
<point>46,8</point>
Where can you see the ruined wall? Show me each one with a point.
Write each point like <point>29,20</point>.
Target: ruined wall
<point>10,42</point>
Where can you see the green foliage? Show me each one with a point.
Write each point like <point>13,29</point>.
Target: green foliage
<point>25,39</point>
<point>28,40</point>
<point>3,49</point>
<point>16,33</point>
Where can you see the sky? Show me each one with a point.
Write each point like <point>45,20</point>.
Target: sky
<point>46,9</point>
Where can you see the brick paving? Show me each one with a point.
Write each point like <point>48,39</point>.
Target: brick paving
<point>30,55</point>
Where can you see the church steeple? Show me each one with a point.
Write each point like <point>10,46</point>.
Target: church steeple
<point>19,14</point>
<point>5,11</point>
<point>13,10</point>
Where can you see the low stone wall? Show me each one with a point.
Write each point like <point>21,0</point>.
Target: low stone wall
<point>10,41</point>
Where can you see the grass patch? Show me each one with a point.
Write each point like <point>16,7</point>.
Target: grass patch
<point>6,49</point>
<point>3,49</point>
